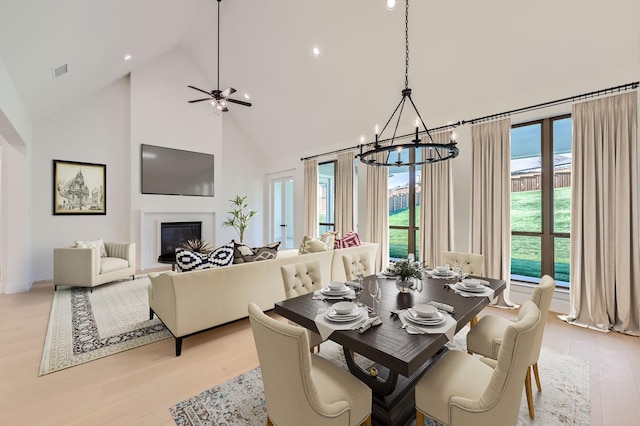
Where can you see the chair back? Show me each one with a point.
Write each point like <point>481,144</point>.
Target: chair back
<point>355,262</point>
<point>301,278</point>
<point>502,397</point>
<point>541,296</point>
<point>291,394</point>
<point>469,263</point>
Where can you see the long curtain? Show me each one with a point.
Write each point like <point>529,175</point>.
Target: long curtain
<point>378,210</point>
<point>436,207</point>
<point>344,193</point>
<point>311,198</point>
<point>490,226</point>
<point>605,265</point>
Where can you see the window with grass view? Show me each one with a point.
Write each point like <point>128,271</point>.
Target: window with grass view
<point>326,196</point>
<point>404,208</point>
<point>541,200</point>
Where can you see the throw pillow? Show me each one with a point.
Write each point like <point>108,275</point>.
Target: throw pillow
<point>98,244</point>
<point>350,239</point>
<point>242,253</point>
<point>192,261</point>
<point>269,251</point>
<point>329,238</point>
<point>312,245</point>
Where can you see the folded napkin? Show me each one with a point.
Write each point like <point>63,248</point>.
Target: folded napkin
<point>353,284</point>
<point>371,322</point>
<point>442,306</point>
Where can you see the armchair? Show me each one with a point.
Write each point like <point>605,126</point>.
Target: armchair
<point>84,267</point>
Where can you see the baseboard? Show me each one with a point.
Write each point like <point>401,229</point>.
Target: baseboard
<point>521,292</point>
<point>11,288</point>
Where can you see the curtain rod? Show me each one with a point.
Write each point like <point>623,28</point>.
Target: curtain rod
<point>601,92</point>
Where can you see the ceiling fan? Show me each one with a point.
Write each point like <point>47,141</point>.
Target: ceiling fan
<point>217,98</point>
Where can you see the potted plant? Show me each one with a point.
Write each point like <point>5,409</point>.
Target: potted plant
<point>239,215</point>
<point>197,246</point>
<point>406,272</point>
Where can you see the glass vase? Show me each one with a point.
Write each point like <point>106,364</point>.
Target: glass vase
<point>405,285</point>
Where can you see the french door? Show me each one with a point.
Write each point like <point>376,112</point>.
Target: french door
<point>281,227</point>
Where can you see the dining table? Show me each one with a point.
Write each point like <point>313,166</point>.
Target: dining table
<point>397,358</point>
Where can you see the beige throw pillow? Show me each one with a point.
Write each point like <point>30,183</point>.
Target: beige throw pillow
<point>313,245</point>
<point>99,244</point>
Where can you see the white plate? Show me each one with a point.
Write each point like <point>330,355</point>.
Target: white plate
<point>336,286</point>
<point>424,321</point>
<point>472,282</point>
<point>332,316</point>
<point>462,287</point>
<point>344,308</point>
<point>440,274</point>
<point>327,291</point>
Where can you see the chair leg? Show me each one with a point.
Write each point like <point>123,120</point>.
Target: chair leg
<point>269,421</point>
<point>537,376</point>
<point>419,418</point>
<point>473,322</point>
<point>527,387</point>
<point>367,421</point>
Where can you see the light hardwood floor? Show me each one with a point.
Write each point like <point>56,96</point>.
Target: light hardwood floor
<point>138,386</point>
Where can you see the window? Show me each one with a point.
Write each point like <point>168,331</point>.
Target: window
<point>541,199</point>
<point>326,196</point>
<point>404,208</point>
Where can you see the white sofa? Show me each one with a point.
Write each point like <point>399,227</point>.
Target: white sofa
<point>83,267</point>
<point>192,302</point>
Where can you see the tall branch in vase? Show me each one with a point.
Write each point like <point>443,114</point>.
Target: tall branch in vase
<point>239,215</point>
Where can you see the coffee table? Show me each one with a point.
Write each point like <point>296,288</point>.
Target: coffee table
<point>400,358</point>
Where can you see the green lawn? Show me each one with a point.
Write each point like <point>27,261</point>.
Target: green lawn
<point>525,216</point>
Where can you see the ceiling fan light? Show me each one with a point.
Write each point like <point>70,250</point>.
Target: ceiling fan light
<point>223,102</point>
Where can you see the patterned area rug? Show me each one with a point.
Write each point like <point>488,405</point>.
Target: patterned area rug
<point>564,400</point>
<point>86,325</point>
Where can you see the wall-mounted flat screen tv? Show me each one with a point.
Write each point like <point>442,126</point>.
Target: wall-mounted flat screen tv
<point>171,171</point>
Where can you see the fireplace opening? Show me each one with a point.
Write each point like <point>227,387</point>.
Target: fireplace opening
<point>173,235</point>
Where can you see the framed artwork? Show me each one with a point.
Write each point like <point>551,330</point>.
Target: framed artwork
<point>79,188</point>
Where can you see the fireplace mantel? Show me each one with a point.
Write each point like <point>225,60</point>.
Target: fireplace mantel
<point>150,231</point>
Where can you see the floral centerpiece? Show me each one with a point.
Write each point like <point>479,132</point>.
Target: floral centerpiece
<point>406,272</point>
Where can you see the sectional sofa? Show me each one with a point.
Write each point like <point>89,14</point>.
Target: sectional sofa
<point>192,302</point>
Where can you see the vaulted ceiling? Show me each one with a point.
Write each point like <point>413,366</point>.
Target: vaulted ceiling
<point>467,58</point>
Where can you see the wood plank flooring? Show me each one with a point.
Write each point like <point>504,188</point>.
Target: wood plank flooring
<point>138,386</point>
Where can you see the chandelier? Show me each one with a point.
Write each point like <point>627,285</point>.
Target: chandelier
<point>436,151</point>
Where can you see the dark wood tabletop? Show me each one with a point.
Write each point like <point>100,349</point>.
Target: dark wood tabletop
<point>388,344</point>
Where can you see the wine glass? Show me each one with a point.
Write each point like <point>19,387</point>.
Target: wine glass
<point>360,275</point>
<point>373,288</point>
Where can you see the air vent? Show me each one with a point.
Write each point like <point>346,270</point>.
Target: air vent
<point>60,71</point>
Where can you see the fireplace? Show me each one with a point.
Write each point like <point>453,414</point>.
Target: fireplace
<point>174,234</point>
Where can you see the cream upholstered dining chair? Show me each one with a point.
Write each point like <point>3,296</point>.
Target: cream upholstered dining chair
<point>301,388</point>
<point>469,263</point>
<point>486,337</point>
<point>460,389</point>
<point>299,279</point>
<point>354,263</point>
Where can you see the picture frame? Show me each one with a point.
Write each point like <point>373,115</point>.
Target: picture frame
<point>79,188</point>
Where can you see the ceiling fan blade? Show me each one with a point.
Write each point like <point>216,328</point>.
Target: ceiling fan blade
<point>199,100</point>
<point>199,90</point>
<point>239,102</point>
<point>228,91</point>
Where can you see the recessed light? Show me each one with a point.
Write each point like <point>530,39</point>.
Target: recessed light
<point>127,57</point>
<point>247,96</point>
<point>391,4</point>
<point>316,52</point>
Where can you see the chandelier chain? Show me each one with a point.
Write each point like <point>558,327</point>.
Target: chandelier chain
<point>406,43</point>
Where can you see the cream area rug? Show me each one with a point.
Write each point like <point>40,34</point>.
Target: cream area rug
<point>85,325</point>
<point>564,400</point>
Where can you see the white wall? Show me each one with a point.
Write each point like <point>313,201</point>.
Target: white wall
<point>95,130</point>
<point>15,275</point>
<point>161,115</point>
